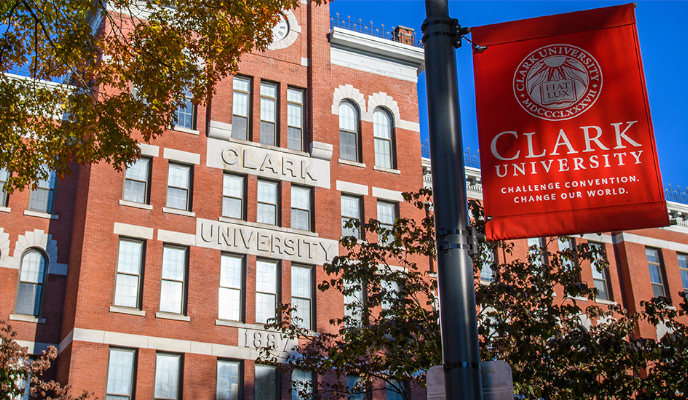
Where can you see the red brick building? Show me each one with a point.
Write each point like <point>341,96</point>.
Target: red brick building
<point>155,282</point>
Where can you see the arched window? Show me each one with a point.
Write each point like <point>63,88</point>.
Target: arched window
<point>348,132</point>
<point>31,281</point>
<point>382,129</point>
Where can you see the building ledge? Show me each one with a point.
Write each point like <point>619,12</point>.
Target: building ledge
<point>134,204</point>
<point>352,163</point>
<point>5,209</point>
<point>186,130</point>
<point>41,214</point>
<point>185,213</point>
<point>606,302</point>
<point>127,310</point>
<point>27,318</point>
<point>237,324</point>
<point>173,316</point>
<point>388,170</point>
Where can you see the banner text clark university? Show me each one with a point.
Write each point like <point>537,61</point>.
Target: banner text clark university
<point>564,125</point>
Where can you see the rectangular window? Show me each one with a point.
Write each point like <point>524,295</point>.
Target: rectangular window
<point>136,181</point>
<point>43,197</point>
<point>120,377</point>
<point>302,294</point>
<point>266,383</point>
<point>353,385</point>
<point>128,284</point>
<point>266,290</point>
<point>295,119</point>
<point>231,284</point>
<point>4,176</point>
<point>656,272</point>
<point>268,113</point>
<point>178,187</point>
<point>167,373</point>
<point>353,302</point>
<point>351,209</point>
<point>228,380</point>
<point>486,271</point>
<point>683,268</point>
<point>382,131</point>
<point>386,214</point>
<point>391,288</point>
<point>300,208</point>
<point>301,384</point>
<point>567,252</point>
<point>267,202</point>
<point>173,284</point>
<point>233,196</point>
<point>599,274</point>
<point>536,251</point>
<point>395,388</point>
<point>186,114</point>
<point>240,107</point>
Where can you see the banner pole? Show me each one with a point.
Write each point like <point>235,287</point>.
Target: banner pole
<point>460,349</point>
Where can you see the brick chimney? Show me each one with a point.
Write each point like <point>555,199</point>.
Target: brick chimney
<point>404,35</point>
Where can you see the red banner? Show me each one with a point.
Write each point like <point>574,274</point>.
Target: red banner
<point>564,125</point>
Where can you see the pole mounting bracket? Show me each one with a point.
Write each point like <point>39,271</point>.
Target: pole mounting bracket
<point>456,31</point>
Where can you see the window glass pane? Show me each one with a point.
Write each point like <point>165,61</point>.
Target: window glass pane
<point>230,304</point>
<point>300,198</point>
<point>303,311</point>
<point>176,198</point>
<point>391,288</point>
<point>139,170</point>
<point>300,220</point>
<point>41,200</point>
<point>268,90</point>
<point>657,290</point>
<point>33,267</point>
<point>266,277</point>
<point>267,110</point>
<point>120,370</point>
<point>178,176</point>
<point>126,291</point>
<point>230,273</point>
<point>267,214</point>
<point>683,267</point>
<point>652,256</point>
<point>299,379</point>
<point>564,247</point>
<point>267,133</point>
<point>301,282</point>
<point>347,146</point>
<point>601,286</point>
<point>294,115</point>
<point>135,191</point>
<point>383,153</point>
<point>4,175</point>
<point>350,207</point>
<point>295,96</point>
<point>233,186</point>
<point>393,388</point>
<point>185,113</point>
<point>655,274</point>
<point>166,376</point>
<point>241,84</point>
<point>266,383</point>
<point>265,307</point>
<point>267,192</point>
<point>240,104</point>
<point>232,208</point>
<point>294,139</point>
<point>381,125</point>
<point>173,262</point>
<point>486,272</point>
<point>351,381</point>
<point>240,128</point>
<point>171,297</point>
<point>347,117</point>
<point>129,258</point>
<point>385,213</point>
<point>28,298</point>
<point>227,380</point>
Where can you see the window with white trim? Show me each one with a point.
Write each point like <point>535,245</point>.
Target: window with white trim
<point>267,202</point>
<point>486,271</point>
<point>32,274</point>
<point>295,119</point>
<point>351,210</point>
<point>567,245</point>
<point>43,196</point>
<point>128,282</point>
<point>167,373</point>
<point>348,132</point>
<point>266,383</point>
<point>179,187</point>
<point>233,196</point>
<point>302,294</point>
<point>683,269</point>
<point>121,374</point>
<point>186,113</point>
<point>391,289</point>
<point>301,208</point>
<point>136,181</point>
<point>4,176</point>
<point>173,286</point>
<point>657,274</point>
<point>228,380</point>
<point>241,104</point>
<point>382,131</point>
<point>301,384</point>
<point>268,113</point>
<point>599,273</point>
<point>386,215</point>
<point>536,251</point>
<point>353,302</point>
<point>231,284</point>
<point>266,290</point>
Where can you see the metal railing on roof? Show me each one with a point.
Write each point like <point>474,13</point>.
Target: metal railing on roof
<point>677,195</point>
<point>25,71</point>
<point>381,32</point>
<point>469,159</point>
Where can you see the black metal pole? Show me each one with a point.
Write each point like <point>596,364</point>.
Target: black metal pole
<point>458,321</point>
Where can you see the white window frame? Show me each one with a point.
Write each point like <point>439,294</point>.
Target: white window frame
<point>138,275</point>
<point>683,269</point>
<point>538,253</point>
<point>145,182</point>
<point>221,384</point>
<point>386,224</point>
<point>180,361</point>
<point>298,376</point>
<point>660,269</point>
<point>601,278</point>
<point>298,209</point>
<point>261,204</point>
<point>225,195</point>
<point>236,112</point>
<point>267,99</point>
<point>4,177</point>
<point>183,281</point>
<point>188,189</point>
<point>303,274</point>
<point>353,304</point>
<point>295,118</point>
<point>26,280</point>
<point>114,374</point>
<point>188,109</point>
<point>264,289</point>
<point>229,286</point>
<point>348,131</point>
<point>355,232</point>
<point>380,141</point>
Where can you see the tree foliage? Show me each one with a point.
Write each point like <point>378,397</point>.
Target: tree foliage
<point>17,370</point>
<point>534,315</point>
<point>104,74</point>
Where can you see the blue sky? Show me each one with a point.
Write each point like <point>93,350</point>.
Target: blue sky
<point>663,32</point>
